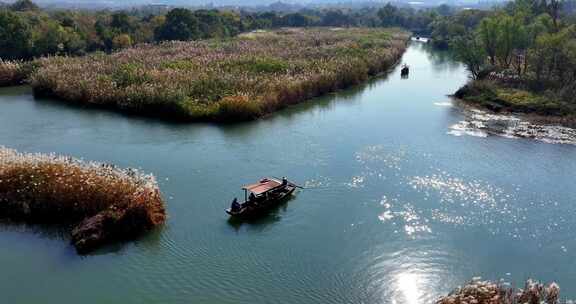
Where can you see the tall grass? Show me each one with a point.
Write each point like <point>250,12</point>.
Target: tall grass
<point>104,202</point>
<point>12,73</point>
<point>238,78</point>
<point>485,292</point>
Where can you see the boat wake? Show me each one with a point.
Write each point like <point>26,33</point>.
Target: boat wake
<point>443,104</point>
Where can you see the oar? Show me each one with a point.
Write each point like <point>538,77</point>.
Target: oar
<point>289,182</point>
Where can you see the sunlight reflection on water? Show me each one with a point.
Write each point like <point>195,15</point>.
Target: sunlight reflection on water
<point>404,215</point>
<point>407,285</point>
<point>408,277</point>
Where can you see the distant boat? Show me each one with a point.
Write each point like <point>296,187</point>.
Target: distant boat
<point>261,197</point>
<point>405,71</point>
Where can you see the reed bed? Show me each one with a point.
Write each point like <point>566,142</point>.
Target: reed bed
<point>486,292</point>
<point>12,72</point>
<point>103,203</point>
<point>232,79</point>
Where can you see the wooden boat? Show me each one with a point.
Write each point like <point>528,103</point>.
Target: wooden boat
<point>261,197</point>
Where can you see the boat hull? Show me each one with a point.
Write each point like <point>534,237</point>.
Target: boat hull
<point>251,210</point>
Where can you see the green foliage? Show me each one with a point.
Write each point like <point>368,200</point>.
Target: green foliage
<point>532,52</point>
<point>210,89</point>
<point>41,33</point>
<point>122,22</point>
<point>15,35</point>
<point>122,41</point>
<point>130,74</point>
<point>24,6</point>
<point>469,51</point>
<point>445,28</point>
<point>488,33</point>
<point>180,24</point>
<point>259,65</point>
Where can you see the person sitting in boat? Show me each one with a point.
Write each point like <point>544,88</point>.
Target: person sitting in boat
<point>252,198</point>
<point>235,205</point>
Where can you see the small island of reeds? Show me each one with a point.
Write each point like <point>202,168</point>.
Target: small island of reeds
<point>101,202</point>
<point>486,292</point>
<point>237,78</point>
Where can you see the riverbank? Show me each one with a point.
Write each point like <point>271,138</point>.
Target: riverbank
<point>240,78</point>
<point>102,202</point>
<point>539,108</point>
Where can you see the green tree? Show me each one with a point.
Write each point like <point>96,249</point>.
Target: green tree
<point>49,38</point>
<point>24,6</point>
<point>511,36</point>
<point>15,36</point>
<point>122,41</point>
<point>336,18</point>
<point>121,21</point>
<point>389,15</point>
<point>180,24</point>
<point>296,20</point>
<point>210,24</point>
<point>470,52</point>
<point>547,54</point>
<point>488,36</point>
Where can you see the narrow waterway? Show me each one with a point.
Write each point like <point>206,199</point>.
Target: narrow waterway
<point>398,210</point>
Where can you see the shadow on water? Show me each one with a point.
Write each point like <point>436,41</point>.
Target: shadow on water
<point>15,91</point>
<point>50,231</point>
<point>84,110</point>
<point>149,240</point>
<point>325,103</point>
<point>442,60</point>
<point>61,232</point>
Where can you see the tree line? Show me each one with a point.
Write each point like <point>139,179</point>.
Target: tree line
<point>26,31</point>
<point>528,41</point>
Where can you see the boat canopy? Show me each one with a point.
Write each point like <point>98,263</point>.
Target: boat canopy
<point>263,186</point>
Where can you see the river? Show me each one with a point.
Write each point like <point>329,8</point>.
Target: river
<point>398,209</point>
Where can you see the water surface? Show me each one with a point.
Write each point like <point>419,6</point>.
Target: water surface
<point>398,210</point>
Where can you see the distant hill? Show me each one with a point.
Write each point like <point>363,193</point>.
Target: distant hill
<point>273,4</point>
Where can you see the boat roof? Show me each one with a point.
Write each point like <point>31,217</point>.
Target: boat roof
<point>263,186</point>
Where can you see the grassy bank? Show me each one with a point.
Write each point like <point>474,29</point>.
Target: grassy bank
<point>102,202</point>
<point>485,292</point>
<point>233,79</point>
<point>543,106</point>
